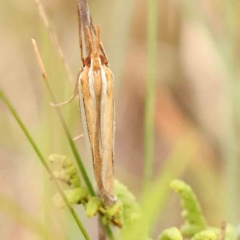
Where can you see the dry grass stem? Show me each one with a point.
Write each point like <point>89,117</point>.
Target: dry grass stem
<point>45,77</point>
<point>39,60</point>
<point>84,19</point>
<point>223,231</point>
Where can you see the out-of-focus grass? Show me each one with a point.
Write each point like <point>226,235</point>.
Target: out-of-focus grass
<point>150,91</point>
<point>21,24</point>
<point>60,115</point>
<point>155,197</point>
<point>19,215</point>
<point>43,161</point>
<point>225,46</point>
<point>64,125</point>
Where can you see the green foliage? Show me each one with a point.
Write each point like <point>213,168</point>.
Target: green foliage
<point>171,234</point>
<point>131,213</point>
<point>230,233</point>
<point>74,196</point>
<point>66,173</point>
<point>126,212</point>
<point>42,159</point>
<point>135,219</point>
<point>92,206</point>
<point>194,221</point>
<point>205,235</point>
<point>128,200</point>
<point>195,224</point>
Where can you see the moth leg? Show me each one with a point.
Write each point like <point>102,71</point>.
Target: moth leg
<point>78,137</point>
<point>70,99</point>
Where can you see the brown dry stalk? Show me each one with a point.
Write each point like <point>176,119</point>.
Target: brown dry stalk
<point>85,19</point>
<point>42,68</point>
<point>45,77</point>
<point>223,231</point>
<point>39,60</point>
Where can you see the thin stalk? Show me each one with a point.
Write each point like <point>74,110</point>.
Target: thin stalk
<point>150,92</point>
<point>43,161</point>
<point>73,148</point>
<point>55,42</point>
<point>230,150</point>
<point>64,125</point>
<point>69,137</point>
<point>71,143</point>
<point>231,163</point>
<point>85,19</point>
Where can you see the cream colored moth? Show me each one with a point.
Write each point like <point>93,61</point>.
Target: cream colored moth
<point>95,88</point>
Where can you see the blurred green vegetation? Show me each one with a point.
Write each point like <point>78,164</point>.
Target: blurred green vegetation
<point>193,112</point>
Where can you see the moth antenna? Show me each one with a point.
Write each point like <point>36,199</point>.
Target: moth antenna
<point>97,30</point>
<point>89,39</point>
<point>80,34</point>
<point>101,45</point>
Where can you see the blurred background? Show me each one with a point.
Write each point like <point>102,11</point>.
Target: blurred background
<point>196,99</point>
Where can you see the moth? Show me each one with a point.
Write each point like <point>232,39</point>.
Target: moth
<point>95,88</point>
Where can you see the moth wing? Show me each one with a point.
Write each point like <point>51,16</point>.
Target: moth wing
<point>107,130</point>
<point>87,107</point>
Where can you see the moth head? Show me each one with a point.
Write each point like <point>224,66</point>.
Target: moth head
<point>87,60</point>
<point>94,49</point>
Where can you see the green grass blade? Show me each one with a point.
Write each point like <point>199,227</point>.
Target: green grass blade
<point>155,198</point>
<point>150,92</point>
<point>229,48</point>
<point>40,156</point>
<point>71,143</point>
<point>76,155</point>
<point>67,132</point>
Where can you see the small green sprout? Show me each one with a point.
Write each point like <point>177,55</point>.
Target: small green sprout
<point>194,220</point>
<point>205,235</point>
<point>171,234</point>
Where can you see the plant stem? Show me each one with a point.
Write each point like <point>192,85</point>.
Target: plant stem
<point>85,19</point>
<point>150,92</point>
<point>65,128</point>
<point>71,143</point>
<point>230,143</point>
<point>69,137</point>
<point>43,161</point>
